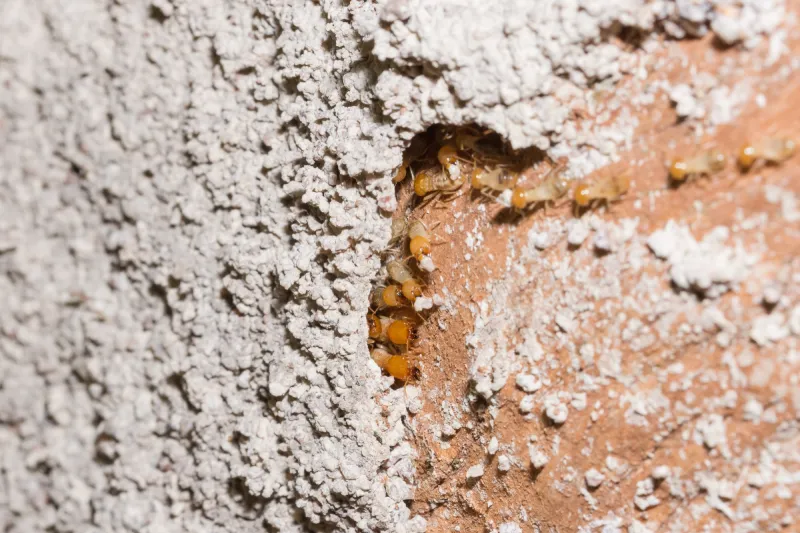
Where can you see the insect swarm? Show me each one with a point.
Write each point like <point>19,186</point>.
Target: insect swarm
<point>608,189</point>
<point>703,164</point>
<point>552,187</point>
<point>774,151</point>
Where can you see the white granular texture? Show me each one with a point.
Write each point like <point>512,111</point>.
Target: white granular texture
<point>493,446</point>
<point>556,411</point>
<point>503,463</point>
<point>526,404</point>
<point>427,264</point>
<point>528,383</point>
<point>423,303</point>
<point>509,527</point>
<point>475,472</point>
<point>660,472</point>
<point>538,458</point>
<point>578,232</point>
<point>594,478</point>
<point>710,266</point>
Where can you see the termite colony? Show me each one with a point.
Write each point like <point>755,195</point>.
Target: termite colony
<point>439,165</point>
<point>441,162</point>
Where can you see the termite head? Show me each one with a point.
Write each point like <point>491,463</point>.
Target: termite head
<point>582,195</point>
<point>398,332</point>
<point>399,368</point>
<point>678,170</point>
<point>423,183</point>
<point>375,328</point>
<point>411,289</point>
<point>401,173</point>
<point>419,247</point>
<point>747,156</point>
<point>447,155</point>
<point>392,296</point>
<point>518,199</point>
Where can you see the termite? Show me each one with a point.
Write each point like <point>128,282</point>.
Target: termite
<point>432,181</point>
<point>416,149</point>
<point>375,326</point>
<point>399,229</point>
<point>400,273</point>
<point>467,141</point>
<point>448,155</point>
<point>397,331</point>
<point>553,187</point>
<point>401,172</point>
<point>419,240</point>
<point>382,328</point>
<point>389,296</point>
<point>775,150</point>
<point>497,180</point>
<point>703,164</point>
<point>608,189</point>
<point>397,366</point>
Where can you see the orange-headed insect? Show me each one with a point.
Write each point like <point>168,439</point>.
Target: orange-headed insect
<point>409,287</point>
<point>375,326</point>
<point>552,187</point>
<point>419,240</point>
<point>703,164</point>
<point>448,155</point>
<point>774,151</point>
<point>388,296</point>
<point>608,189</point>
<point>397,366</point>
<point>382,328</point>
<point>432,180</point>
<point>417,148</point>
<point>400,175</point>
<point>397,331</point>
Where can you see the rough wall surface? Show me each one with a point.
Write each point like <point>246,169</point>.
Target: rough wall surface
<point>192,208</point>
